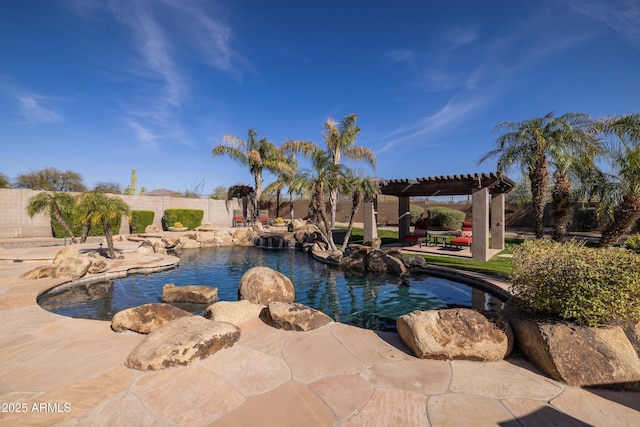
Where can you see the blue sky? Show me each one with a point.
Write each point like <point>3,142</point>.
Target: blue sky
<point>104,86</point>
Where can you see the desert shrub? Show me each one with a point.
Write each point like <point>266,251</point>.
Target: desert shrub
<point>75,224</point>
<point>451,219</point>
<point>140,220</point>
<point>587,286</point>
<point>191,218</point>
<point>633,243</point>
<point>433,213</point>
<point>416,213</point>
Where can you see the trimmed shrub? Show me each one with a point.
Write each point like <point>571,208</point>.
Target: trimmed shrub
<point>433,214</point>
<point>190,218</point>
<point>451,219</point>
<point>140,220</point>
<point>569,281</point>
<point>416,213</point>
<point>76,226</point>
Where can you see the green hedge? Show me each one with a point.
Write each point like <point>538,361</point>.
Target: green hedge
<point>433,214</point>
<point>191,218</point>
<point>416,213</point>
<point>76,226</point>
<point>587,286</point>
<point>450,219</point>
<point>140,220</point>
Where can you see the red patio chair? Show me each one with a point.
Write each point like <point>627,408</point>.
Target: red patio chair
<point>466,236</point>
<point>419,233</point>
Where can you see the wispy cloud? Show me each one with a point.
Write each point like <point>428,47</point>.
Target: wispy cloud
<point>162,33</point>
<point>623,16</point>
<point>149,139</point>
<point>457,36</point>
<point>31,107</point>
<point>497,67</point>
<point>401,56</point>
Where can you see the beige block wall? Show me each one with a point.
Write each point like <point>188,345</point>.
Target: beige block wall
<point>14,221</point>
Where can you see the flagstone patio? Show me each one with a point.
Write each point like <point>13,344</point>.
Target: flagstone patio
<point>63,371</point>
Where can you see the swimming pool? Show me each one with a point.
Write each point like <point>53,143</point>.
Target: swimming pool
<point>368,301</point>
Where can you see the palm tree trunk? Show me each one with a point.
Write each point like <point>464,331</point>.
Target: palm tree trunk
<point>291,205</point>
<point>538,177</point>
<point>354,210</point>
<point>58,216</point>
<point>333,203</point>
<point>561,198</point>
<point>258,181</point>
<point>624,216</point>
<point>108,234</point>
<point>321,217</point>
<point>278,204</point>
<point>86,225</point>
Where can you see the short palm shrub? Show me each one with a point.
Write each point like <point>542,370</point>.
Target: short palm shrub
<point>587,286</point>
<point>451,219</point>
<point>416,213</point>
<point>633,243</point>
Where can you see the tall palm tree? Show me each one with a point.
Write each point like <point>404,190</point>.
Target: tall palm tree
<point>527,144</point>
<point>99,208</point>
<point>572,152</point>
<point>363,189</point>
<point>258,154</point>
<point>284,180</point>
<point>340,140</point>
<point>53,203</point>
<point>324,176</point>
<point>620,191</point>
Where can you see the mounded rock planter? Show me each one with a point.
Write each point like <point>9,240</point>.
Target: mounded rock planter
<point>579,355</point>
<point>146,318</point>
<point>459,333</point>
<point>181,342</point>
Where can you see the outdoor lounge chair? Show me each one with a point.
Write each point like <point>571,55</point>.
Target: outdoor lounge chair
<point>238,218</point>
<point>263,216</point>
<point>419,234</point>
<point>466,236</point>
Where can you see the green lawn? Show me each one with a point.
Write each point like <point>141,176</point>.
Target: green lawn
<point>497,266</point>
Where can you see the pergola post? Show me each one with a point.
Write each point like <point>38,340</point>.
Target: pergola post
<point>480,218</point>
<point>404,217</point>
<point>497,221</point>
<point>370,226</point>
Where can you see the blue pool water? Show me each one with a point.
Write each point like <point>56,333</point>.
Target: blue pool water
<point>369,301</point>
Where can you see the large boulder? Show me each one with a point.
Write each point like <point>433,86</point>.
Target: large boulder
<point>632,330</point>
<point>64,253</point>
<point>145,248</point>
<point>181,342</point>
<point>42,272</point>
<point>459,333</point>
<point>578,355</point>
<point>170,240</point>
<point>234,312</point>
<point>295,317</point>
<point>146,318</point>
<point>74,267</point>
<point>190,244</point>
<point>193,294</point>
<point>153,229</point>
<point>99,265</point>
<point>207,239</point>
<point>262,285</point>
<point>378,261</point>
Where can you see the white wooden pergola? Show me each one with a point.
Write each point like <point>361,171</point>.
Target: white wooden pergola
<point>486,190</point>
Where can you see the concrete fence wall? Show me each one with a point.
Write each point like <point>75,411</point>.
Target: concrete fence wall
<point>14,221</point>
